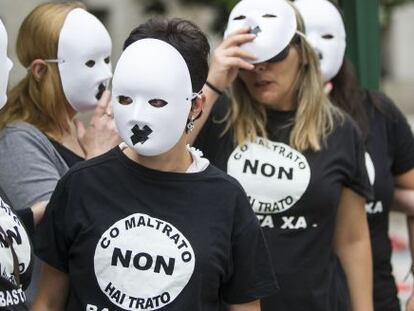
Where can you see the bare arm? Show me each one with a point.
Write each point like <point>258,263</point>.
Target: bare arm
<point>228,58</point>
<point>404,200</point>
<point>53,290</point>
<point>352,245</point>
<point>38,210</point>
<point>404,193</point>
<point>250,306</point>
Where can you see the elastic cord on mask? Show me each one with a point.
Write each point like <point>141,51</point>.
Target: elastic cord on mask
<point>196,95</point>
<point>301,34</point>
<point>49,60</point>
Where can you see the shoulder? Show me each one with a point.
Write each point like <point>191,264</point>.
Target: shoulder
<point>221,107</point>
<point>22,134</point>
<point>347,126</point>
<point>96,163</point>
<point>223,181</point>
<point>382,104</point>
<point>22,128</point>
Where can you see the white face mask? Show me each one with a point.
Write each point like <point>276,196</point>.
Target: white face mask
<point>273,22</point>
<point>325,31</point>
<point>5,65</point>
<point>152,96</point>
<point>84,52</point>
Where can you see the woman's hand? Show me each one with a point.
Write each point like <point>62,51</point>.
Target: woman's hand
<point>101,135</point>
<point>228,58</point>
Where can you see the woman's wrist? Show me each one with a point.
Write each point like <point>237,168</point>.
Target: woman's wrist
<point>214,88</point>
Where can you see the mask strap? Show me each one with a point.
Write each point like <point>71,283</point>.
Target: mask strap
<point>196,95</point>
<point>56,61</point>
<point>49,60</point>
<point>301,34</point>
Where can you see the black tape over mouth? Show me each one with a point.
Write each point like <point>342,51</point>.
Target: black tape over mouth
<point>140,135</point>
<point>101,89</point>
<point>256,30</point>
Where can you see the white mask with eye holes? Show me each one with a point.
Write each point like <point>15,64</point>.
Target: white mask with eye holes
<point>273,22</point>
<point>5,65</point>
<point>152,95</point>
<point>325,31</point>
<point>84,52</point>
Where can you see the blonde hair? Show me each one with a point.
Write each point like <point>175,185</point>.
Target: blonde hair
<point>315,117</point>
<point>41,103</point>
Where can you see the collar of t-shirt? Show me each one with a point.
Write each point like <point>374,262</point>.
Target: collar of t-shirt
<point>198,165</point>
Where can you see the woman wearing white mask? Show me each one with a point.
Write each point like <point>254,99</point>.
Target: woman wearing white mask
<point>15,248</point>
<point>173,232</point>
<point>388,137</point>
<point>300,159</point>
<point>66,52</point>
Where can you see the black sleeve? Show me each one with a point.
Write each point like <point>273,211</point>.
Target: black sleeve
<point>251,274</point>
<point>357,179</point>
<point>51,244</point>
<point>213,129</point>
<point>26,216</point>
<point>400,137</point>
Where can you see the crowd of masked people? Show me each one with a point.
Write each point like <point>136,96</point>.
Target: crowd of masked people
<point>259,176</point>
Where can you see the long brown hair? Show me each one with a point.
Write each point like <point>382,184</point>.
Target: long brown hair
<point>315,117</point>
<point>41,103</point>
<point>349,96</point>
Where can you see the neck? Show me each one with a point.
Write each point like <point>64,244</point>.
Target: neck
<point>176,160</point>
<point>286,103</point>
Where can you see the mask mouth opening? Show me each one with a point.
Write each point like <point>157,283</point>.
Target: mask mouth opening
<point>101,89</point>
<point>320,55</point>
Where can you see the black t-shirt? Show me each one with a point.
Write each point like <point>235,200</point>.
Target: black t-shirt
<point>133,238</point>
<point>295,196</point>
<point>68,155</point>
<point>12,296</point>
<point>390,152</point>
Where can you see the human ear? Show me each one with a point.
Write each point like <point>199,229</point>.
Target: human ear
<point>197,106</point>
<point>38,69</point>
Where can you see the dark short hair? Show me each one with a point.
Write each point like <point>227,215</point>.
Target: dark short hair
<point>183,35</point>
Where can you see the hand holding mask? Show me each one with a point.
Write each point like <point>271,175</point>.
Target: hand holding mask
<point>272,21</point>
<point>101,134</point>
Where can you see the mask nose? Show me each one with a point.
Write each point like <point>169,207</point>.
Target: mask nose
<point>253,25</point>
<point>108,71</point>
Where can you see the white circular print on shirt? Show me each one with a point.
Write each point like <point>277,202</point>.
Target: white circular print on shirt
<point>273,174</point>
<point>143,263</point>
<point>17,235</point>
